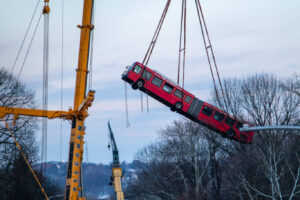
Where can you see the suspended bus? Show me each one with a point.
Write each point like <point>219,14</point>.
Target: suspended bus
<point>169,93</point>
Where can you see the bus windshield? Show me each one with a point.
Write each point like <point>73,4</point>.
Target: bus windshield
<point>130,68</point>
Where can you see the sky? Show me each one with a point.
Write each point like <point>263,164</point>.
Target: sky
<point>248,37</point>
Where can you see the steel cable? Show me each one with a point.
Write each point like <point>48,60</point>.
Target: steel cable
<point>45,90</point>
<point>29,47</point>
<point>182,44</point>
<point>156,34</point>
<point>25,36</point>
<point>208,45</point>
<point>151,47</point>
<point>62,77</point>
<point>126,106</point>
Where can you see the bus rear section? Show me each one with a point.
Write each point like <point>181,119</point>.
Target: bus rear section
<point>217,120</point>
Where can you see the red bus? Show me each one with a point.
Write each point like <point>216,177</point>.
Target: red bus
<point>169,93</point>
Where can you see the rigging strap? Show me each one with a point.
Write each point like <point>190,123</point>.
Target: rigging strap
<point>152,45</point>
<point>208,46</point>
<point>156,33</point>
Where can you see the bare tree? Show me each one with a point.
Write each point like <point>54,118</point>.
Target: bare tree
<point>268,168</point>
<point>293,84</point>
<point>16,181</point>
<point>191,162</point>
<point>182,165</point>
<point>13,93</point>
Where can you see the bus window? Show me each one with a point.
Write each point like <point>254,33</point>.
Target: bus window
<point>157,81</point>
<point>187,99</point>
<point>168,88</point>
<point>207,110</point>
<point>178,94</point>
<point>229,121</point>
<point>147,75</point>
<point>218,116</point>
<point>137,69</point>
<point>239,125</point>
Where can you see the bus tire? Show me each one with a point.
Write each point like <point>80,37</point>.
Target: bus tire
<point>140,84</point>
<point>223,135</point>
<point>178,106</point>
<point>134,86</point>
<point>231,133</point>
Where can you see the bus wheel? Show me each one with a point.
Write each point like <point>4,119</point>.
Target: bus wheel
<point>172,108</point>
<point>223,135</point>
<point>134,86</point>
<point>140,84</point>
<point>230,133</point>
<point>178,105</point>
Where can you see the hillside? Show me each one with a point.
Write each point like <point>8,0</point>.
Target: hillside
<point>96,176</point>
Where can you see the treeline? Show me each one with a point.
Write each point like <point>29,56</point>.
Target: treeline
<point>191,162</point>
<point>16,180</point>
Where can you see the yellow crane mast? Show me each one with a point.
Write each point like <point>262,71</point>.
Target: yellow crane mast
<point>77,131</point>
<point>79,112</point>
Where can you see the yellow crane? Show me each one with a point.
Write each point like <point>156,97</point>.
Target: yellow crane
<point>79,112</point>
<point>116,167</point>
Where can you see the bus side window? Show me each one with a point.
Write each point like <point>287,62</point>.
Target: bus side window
<point>207,110</point>
<point>239,125</point>
<point>146,75</point>
<point>178,94</point>
<point>157,81</point>
<point>229,121</point>
<point>187,99</point>
<point>137,69</point>
<point>218,116</point>
<point>168,88</point>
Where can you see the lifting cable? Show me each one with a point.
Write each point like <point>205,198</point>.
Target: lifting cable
<point>61,83</point>
<point>156,33</point>
<point>91,58</point>
<point>23,155</point>
<point>152,45</point>
<point>126,106</point>
<point>36,27</point>
<point>182,44</point>
<point>45,84</point>
<point>208,46</point>
<point>25,36</point>
<point>62,77</point>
